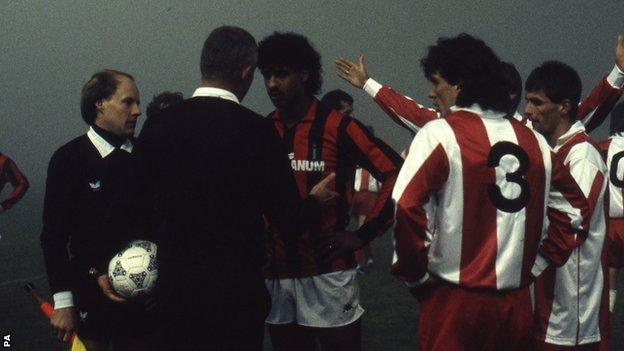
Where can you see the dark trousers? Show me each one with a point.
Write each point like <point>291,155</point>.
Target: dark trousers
<point>212,310</point>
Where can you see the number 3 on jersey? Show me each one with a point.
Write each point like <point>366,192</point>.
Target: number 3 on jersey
<point>497,191</point>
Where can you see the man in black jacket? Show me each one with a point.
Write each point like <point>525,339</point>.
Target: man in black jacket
<point>215,168</point>
<point>90,207</point>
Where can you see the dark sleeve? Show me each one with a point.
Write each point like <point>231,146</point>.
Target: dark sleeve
<point>56,218</point>
<point>383,163</point>
<point>19,182</point>
<point>281,202</point>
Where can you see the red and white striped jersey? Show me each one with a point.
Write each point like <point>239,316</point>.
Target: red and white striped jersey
<point>612,150</point>
<point>364,181</point>
<point>471,200</point>
<point>411,115</point>
<point>568,298</point>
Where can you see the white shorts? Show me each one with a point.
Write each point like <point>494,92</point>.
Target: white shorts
<point>323,301</point>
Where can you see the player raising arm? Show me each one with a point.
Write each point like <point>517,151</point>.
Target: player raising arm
<point>413,116</point>
<point>471,200</point>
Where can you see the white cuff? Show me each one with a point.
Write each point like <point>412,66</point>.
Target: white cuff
<point>418,282</point>
<point>541,263</point>
<point>616,77</point>
<point>63,299</point>
<point>612,294</point>
<point>371,87</point>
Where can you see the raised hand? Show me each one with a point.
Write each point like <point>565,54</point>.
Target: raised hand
<point>354,73</point>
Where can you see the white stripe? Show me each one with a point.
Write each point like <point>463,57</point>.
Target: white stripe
<point>445,251</point>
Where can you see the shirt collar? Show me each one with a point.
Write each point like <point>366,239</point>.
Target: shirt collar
<point>576,128</point>
<point>309,115</point>
<point>476,109</point>
<point>103,146</point>
<point>216,92</point>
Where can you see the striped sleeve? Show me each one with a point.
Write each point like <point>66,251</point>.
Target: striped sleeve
<point>587,169</point>
<point>568,215</point>
<point>402,109</point>
<point>593,110</point>
<point>381,162</point>
<point>17,179</point>
<point>425,171</point>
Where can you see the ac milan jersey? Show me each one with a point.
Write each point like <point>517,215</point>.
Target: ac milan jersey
<point>364,181</point>
<point>322,142</point>
<point>411,115</point>
<point>471,200</point>
<point>9,173</point>
<point>568,298</point>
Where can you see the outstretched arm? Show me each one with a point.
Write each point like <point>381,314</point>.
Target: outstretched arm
<point>596,107</point>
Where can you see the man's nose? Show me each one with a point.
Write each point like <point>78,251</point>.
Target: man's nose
<point>271,82</point>
<point>136,111</point>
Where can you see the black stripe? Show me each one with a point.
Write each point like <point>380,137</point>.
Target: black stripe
<point>345,175</point>
<point>315,142</point>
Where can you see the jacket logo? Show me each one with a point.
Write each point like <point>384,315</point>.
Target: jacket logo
<point>95,186</point>
<point>83,316</point>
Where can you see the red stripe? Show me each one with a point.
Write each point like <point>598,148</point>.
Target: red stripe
<point>411,219</point>
<point>534,211</point>
<point>545,295</point>
<point>479,237</point>
<point>364,179</point>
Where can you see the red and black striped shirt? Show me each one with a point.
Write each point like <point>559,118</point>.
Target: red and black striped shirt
<point>9,173</point>
<point>322,142</point>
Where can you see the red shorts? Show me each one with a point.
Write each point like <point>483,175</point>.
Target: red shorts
<point>363,203</point>
<point>455,318</point>
<point>615,242</point>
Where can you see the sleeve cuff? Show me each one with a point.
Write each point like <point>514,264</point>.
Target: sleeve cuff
<point>541,263</point>
<point>612,296</point>
<point>371,87</point>
<point>615,78</point>
<point>63,299</point>
<point>418,282</point>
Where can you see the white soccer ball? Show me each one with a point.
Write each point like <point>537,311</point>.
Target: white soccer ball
<point>132,272</point>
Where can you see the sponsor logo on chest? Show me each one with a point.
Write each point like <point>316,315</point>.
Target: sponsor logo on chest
<point>306,165</point>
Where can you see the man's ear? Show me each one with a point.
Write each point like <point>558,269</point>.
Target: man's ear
<point>247,72</point>
<point>98,105</point>
<point>565,108</point>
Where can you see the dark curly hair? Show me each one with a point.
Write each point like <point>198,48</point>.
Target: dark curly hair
<point>468,62</point>
<point>294,51</point>
<point>514,85</point>
<point>162,101</point>
<point>558,81</point>
<point>101,86</point>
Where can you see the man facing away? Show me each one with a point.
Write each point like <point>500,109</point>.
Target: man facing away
<point>471,200</point>
<point>214,169</point>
